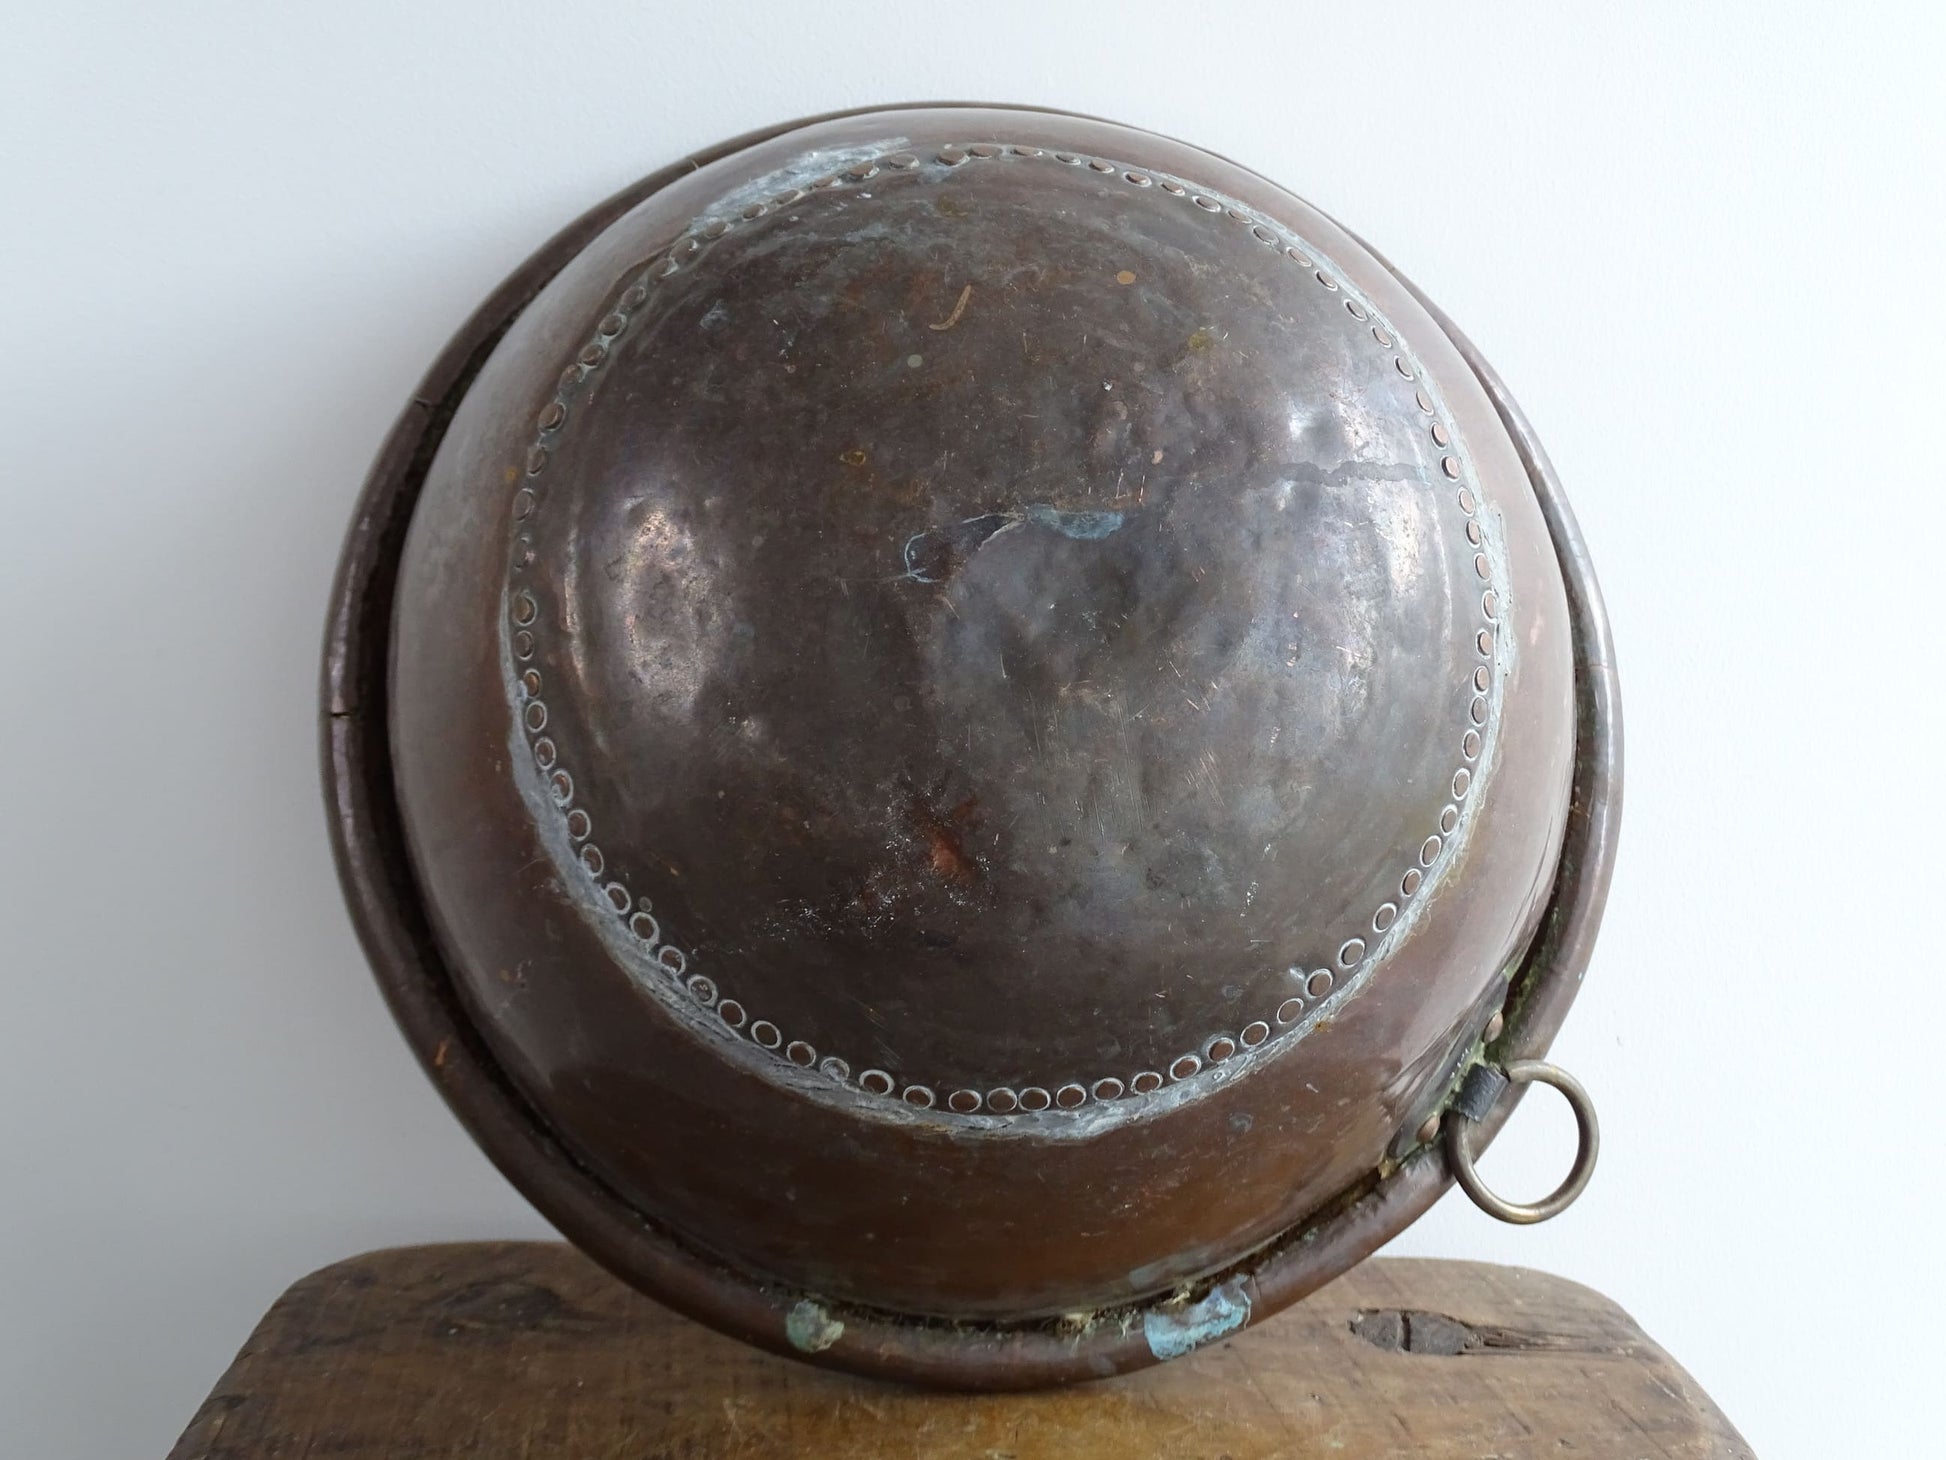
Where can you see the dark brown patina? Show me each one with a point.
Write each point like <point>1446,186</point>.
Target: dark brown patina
<point>982,709</point>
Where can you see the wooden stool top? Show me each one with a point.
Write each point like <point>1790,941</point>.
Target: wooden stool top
<point>527,1349</point>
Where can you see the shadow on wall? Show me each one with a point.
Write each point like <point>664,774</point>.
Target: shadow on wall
<point>217,1100</point>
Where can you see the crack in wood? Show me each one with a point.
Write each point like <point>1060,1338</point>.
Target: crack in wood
<point>1415,1331</point>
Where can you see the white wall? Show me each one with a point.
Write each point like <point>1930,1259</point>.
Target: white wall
<point>1703,242</point>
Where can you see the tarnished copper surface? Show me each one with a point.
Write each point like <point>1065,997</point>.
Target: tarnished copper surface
<point>982,711</point>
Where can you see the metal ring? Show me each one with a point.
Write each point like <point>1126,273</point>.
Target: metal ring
<point>1459,1155</point>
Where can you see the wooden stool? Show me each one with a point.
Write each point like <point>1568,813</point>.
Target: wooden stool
<point>527,1349</point>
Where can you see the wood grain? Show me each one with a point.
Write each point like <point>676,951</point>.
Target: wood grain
<point>526,1349</point>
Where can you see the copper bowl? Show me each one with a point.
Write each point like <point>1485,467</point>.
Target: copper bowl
<point>951,729</point>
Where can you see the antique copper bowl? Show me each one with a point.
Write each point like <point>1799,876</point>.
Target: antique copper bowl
<point>952,730</point>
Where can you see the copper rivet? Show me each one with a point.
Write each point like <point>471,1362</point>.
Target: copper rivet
<point>1495,1025</point>
<point>1429,1132</point>
<point>1450,465</point>
<point>1439,435</point>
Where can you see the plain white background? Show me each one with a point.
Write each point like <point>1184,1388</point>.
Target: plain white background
<point>1703,243</point>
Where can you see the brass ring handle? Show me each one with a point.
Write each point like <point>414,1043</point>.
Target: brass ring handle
<point>1482,1090</point>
